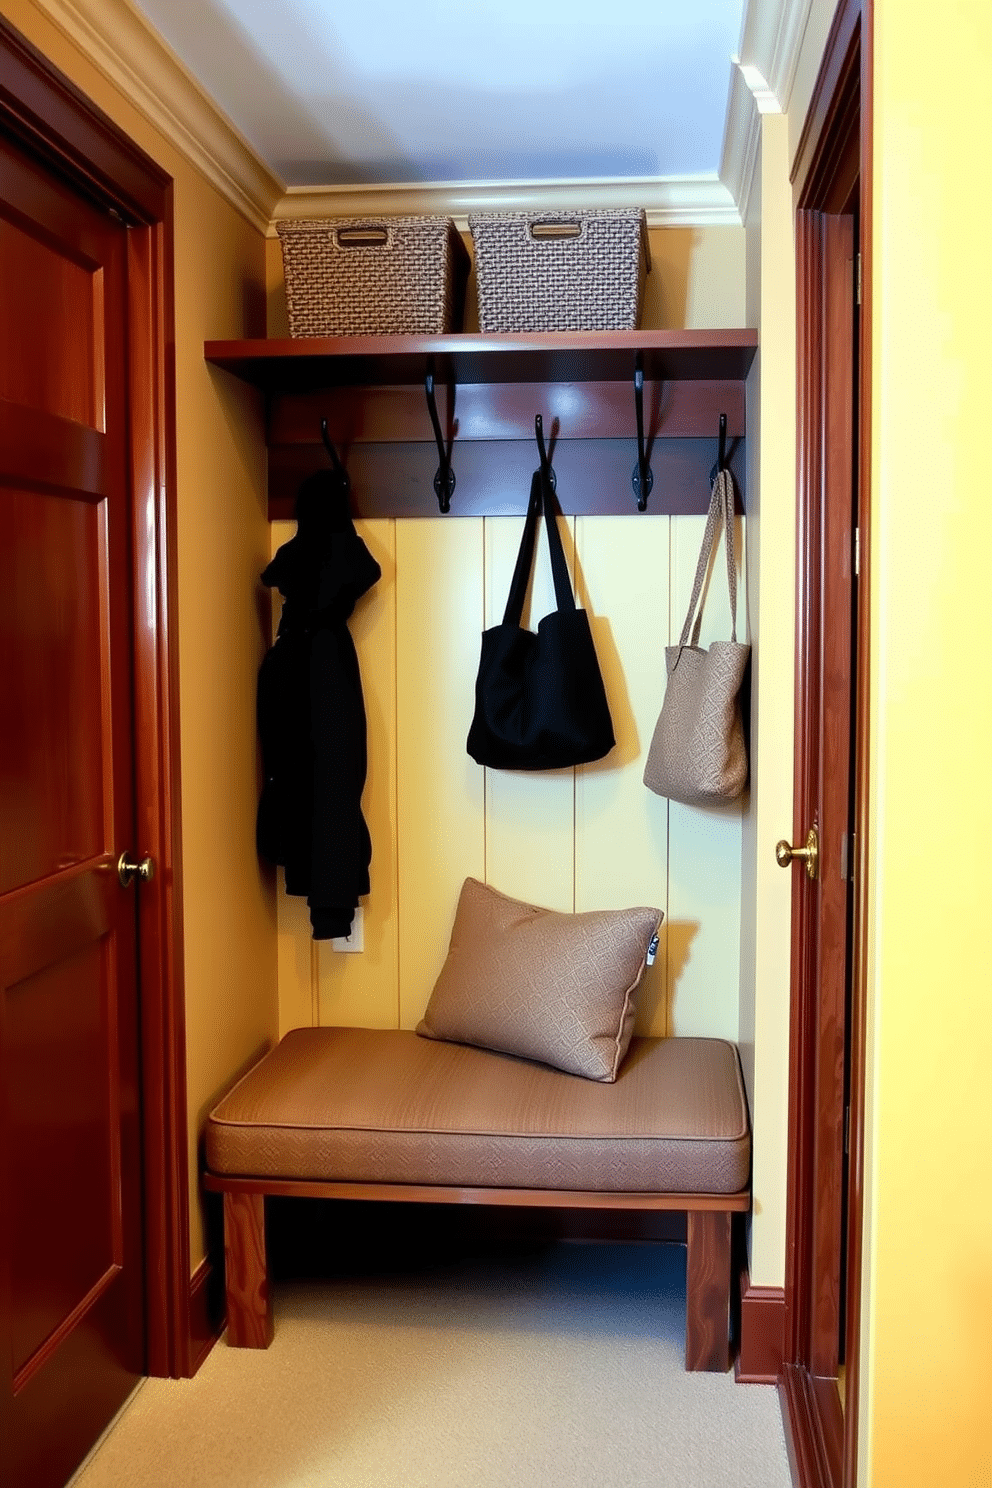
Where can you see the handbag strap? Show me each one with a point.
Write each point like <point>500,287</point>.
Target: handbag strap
<point>540,497</point>
<point>721,508</point>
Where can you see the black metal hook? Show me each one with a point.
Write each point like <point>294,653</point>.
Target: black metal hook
<point>339,469</point>
<point>546,467</point>
<point>444,480</point>
<point>721,459</point>
<point>642,479</point>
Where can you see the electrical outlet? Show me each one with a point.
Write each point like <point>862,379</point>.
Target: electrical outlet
<point>356,940</point>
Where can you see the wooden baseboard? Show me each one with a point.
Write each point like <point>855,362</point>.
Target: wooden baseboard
<point>814,1428</point>
<point>206,1313</point>
<point>761,1350</point>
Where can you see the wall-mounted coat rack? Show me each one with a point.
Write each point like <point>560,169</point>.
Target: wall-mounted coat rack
<point>724,456</point>
<point>542,453</point>
<point>333,456</point>
<point>642,479</point>
<point>444,481</point>
<point>401,459</point>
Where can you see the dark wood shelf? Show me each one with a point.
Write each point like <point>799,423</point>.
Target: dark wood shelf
<point>378,361</point>
<point>370,390</point>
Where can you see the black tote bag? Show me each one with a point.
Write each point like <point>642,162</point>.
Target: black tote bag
<point>540,703</point>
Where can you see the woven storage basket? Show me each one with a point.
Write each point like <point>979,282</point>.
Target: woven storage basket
<point>560,271</point>
<point>400,276</point>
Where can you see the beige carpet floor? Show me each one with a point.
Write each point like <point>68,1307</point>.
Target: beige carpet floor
<point>560,1366</point>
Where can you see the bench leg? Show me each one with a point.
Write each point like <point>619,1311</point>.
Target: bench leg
<point>249,1305</point>
<point>707,1290</point>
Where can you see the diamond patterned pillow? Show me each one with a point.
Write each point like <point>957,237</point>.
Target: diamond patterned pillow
<point>548,986</point>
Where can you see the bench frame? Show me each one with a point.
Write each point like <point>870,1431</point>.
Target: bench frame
<point>708,1263</point>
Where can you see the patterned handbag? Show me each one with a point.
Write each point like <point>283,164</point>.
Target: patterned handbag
<point>698,755</point>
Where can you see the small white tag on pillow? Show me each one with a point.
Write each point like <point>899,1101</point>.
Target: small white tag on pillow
<point>652,950</point>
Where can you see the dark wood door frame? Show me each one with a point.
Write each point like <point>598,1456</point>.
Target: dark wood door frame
<point>833,174</point>
<point>46,114</point>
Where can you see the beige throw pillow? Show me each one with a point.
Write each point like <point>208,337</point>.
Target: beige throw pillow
<point>548,986</point>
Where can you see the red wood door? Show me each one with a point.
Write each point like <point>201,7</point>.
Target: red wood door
<point>71,1290</point>
<point>823,797</point>
<point>823,904</point>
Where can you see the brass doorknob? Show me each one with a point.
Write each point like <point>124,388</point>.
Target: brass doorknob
<point>809,854</point>
<point>127,869</point>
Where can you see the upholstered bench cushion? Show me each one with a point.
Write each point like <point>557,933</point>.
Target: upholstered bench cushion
<point>385,1106</point>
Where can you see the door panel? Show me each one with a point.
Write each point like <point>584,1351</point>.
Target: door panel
<point>44,370</point>
<point>71,1330</point>
<point>61,1102</point>
<point>40,448</point>
<point>823,753</point>
<point>53,251</point>
<point>831,776</point>
<point>53,557</point>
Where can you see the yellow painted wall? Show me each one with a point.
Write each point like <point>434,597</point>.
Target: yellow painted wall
<point>928,1283</point>
<point>819,19</point>
<point>228,902</point>
<point>590,838</point>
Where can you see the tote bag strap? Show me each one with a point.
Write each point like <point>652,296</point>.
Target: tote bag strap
<point>525,556</point>
<point>564,597</point>
<point>539,497</point>
<point>721,509</point>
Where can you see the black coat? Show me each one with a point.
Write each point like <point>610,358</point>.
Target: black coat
<point>311,713</point>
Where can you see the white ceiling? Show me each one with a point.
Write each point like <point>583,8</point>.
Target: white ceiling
<point>338,93</point>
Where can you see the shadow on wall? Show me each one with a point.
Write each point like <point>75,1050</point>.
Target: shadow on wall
<point>610,665</point>
<point>681,934</point>
<point>655,997</point>
<point>254,307</point>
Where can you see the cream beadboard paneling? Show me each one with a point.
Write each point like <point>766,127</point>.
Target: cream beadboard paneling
<point>570,839</point>
<point>621,833</point>
<point>441,836</point>
<point>361,988</point>
<point>704,886</point>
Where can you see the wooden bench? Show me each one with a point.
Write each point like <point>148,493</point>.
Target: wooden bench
<point>350,1113</point>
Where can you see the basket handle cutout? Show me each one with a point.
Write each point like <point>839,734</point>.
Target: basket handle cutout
<point>362,237</point>
<point>555,231</point>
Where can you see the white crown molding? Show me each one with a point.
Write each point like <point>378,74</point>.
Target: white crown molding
<point>764,72</point>
<point>121,44</point>
<point>694,201</point>
<point>740,143</point>
<point>124,48</point>
<point>772,40</point>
